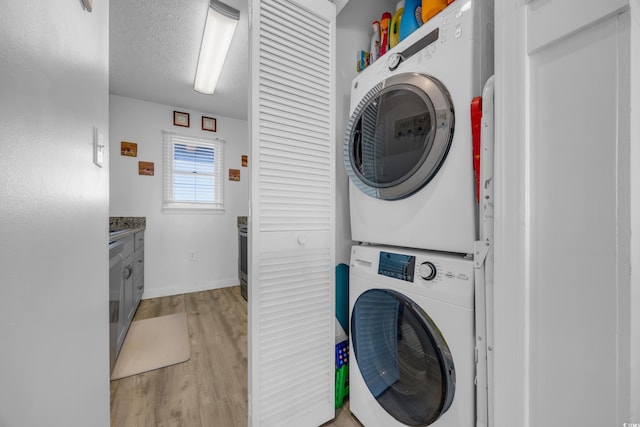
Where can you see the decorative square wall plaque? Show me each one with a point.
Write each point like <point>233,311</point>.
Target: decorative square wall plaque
<point>128,149</point>
<point>145,168</point>
<point>234,174</point>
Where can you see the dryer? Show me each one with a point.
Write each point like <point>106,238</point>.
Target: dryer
<point>408,144</point>
<point>412,338</point>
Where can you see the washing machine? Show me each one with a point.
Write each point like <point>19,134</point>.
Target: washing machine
<point>408,143</point>
<point>412,338</point>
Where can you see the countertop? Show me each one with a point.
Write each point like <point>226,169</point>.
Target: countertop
<point>123,226</point>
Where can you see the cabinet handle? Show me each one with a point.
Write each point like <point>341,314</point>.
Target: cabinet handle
<point>127,272</point>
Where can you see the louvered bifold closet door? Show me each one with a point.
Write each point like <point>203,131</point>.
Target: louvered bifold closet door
<point>291,221</point>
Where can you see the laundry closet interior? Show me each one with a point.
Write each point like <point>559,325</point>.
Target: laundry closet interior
<point>412,153</point>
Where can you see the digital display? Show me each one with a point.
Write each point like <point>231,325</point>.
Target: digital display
<point>397,266</point>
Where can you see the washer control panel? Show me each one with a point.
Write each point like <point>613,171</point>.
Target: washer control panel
<point>411,268</point>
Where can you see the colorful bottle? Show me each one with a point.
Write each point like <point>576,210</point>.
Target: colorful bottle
<point>385,21</point>
<point>431,8</point>
<point>409,22</point>
<point>374,52</point>
<point>394,28</point>
<point>362,60</point>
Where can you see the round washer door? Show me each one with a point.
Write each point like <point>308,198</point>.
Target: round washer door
<point>399,135</point>
<point>402,357</point>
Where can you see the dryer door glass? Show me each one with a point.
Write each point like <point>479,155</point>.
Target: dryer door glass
<point>399,136</point>
<point>402,357</point>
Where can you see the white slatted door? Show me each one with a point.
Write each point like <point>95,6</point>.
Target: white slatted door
<point>291,224</point>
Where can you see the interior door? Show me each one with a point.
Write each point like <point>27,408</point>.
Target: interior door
<point>562,177</point>
<point>291,221</point>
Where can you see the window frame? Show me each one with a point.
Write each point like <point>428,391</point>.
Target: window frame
<point>169,205</point>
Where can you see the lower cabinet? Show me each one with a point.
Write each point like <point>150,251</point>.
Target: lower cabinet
<point>138,269</point>
<point>132,285</point>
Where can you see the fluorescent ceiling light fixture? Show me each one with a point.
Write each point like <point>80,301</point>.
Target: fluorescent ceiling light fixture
<point>218,31</point>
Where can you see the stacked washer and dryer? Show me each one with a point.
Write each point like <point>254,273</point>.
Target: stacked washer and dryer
<point>409,156</point>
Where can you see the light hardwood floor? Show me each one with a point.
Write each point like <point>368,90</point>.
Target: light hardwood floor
<point>208,390</point>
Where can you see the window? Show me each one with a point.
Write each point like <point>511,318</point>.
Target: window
<point>193,173</point>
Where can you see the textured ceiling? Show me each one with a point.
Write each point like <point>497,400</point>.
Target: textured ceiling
<point>153,54</point>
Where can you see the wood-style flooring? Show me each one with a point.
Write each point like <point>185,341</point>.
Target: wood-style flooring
<point>208,390</point>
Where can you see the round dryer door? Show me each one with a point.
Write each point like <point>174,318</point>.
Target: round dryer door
<point>399,135</point>
<point>402,357</point>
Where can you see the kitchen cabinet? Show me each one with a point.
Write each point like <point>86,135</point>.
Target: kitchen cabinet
<point>138,270</point>
<point>132,283</point>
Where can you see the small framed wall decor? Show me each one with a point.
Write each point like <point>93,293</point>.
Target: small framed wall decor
<point>245,161</point>
<point>208,123</point>
<point>145,168</point>
<point>128,149</point>
<point>181,119</point>
<point>234,174</point>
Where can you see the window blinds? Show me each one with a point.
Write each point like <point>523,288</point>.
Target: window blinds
<point>193,173</point>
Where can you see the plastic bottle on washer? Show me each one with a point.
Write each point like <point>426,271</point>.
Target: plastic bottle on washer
<point>410,22</point>
<point>384,32</point>
<point>430,8</point>
<point>394,28</point>
<point>375,42</point>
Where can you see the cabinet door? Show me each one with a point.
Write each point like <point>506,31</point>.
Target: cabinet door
<point>126,300</point>
<point>129,294</point>
<point>138,277</point>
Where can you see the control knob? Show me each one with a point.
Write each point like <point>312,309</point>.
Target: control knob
<point>427,270</point>
<point>394,60</point>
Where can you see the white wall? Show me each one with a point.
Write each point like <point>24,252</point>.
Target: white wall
<point>53,215</point>
<point>171,237</point>
<point>353,34</point>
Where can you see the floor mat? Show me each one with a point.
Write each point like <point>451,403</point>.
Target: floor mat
<point>152,344</point>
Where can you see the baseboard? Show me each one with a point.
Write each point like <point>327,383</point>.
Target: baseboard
<point>185,289</point>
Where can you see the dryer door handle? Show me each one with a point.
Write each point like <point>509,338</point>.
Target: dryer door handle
<point>357,150</point>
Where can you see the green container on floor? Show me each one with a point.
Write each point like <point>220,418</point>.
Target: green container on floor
<point>342,385</point>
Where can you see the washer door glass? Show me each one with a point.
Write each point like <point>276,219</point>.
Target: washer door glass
<point>399,135</point>
<point>402,356</point>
